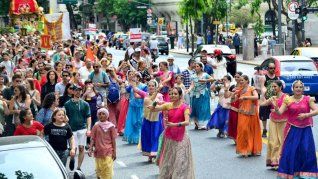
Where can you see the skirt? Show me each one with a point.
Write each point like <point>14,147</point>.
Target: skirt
<point>104,167</point>
<point>275,142</point>
<point>219,119</point>
<point>298,157</point>
<point>249,139</point>
<point>201,107</point>
<point>124,103</point>
<point>232,126</point>
<point>133,124</point>
<point>150,133</point>
<point>176,159</point>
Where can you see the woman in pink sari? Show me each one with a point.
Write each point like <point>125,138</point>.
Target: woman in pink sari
<point>175,158</point>
<point>166,78</point>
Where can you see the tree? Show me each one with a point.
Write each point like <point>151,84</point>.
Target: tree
<point>191,10</point>
<point>255,9</point>
<point>4,10</point>
<point>106,7</point>
<point>242,17</point>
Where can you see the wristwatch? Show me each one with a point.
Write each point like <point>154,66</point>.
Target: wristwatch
<point>179,124</point>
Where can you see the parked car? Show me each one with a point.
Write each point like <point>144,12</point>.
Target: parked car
<point>31,157</point>
<point>310,52</point>
<point>226,52</point>
<point>163,45</point>
<point>291,68</point>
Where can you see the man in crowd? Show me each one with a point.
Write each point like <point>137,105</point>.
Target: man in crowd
<point>78,112</point>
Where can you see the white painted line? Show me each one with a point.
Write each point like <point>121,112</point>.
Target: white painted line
<point>134,177</point>
<point>121,163</point>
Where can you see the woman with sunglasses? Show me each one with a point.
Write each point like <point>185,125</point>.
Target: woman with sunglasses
<point>298,156</point>
<point>232,126</point>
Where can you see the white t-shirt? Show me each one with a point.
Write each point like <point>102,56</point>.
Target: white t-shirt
<point>153,44</point>
<point>84,72</point>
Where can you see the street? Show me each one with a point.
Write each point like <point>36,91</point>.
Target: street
<point>213,157</point>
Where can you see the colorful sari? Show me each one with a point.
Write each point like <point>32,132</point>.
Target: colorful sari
<point>249,139</point>
<point>298,158</point>
<point>175,159</point>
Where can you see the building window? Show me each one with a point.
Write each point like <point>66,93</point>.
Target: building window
<point>270,17</point>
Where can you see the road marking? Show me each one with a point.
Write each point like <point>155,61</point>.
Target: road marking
<point>121,163</point>
<point>265,141</point>
<point>134,177</point>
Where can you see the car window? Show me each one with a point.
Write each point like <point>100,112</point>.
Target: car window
<point>294,65</point>
<point>36,162</point>
<point>309,52</point>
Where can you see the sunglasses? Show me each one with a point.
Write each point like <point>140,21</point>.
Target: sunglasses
<point>65,75</point>
<point>18,81</point>
<point>271,68</point>
<point>95,66</point>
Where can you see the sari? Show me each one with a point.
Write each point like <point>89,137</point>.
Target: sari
<point>249,139</point>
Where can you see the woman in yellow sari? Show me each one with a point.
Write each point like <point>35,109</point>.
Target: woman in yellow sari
<point>249,139</point>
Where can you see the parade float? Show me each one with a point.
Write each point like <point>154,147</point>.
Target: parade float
<point>26,14</point>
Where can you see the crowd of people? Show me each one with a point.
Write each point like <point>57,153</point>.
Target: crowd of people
<point>74,96</point>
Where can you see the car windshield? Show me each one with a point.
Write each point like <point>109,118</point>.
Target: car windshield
<point>310,52</point>
<point>294,65</point>
<point>36,162</point>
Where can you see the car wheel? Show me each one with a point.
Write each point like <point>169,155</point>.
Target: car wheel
<point>167,53</point>
<point>161,53</point>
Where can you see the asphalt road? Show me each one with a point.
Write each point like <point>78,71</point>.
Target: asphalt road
<point>213,157</point>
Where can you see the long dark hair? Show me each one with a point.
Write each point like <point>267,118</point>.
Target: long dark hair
<point>23,92</point>
<point>48,74</point>
<point>22,115</point>
<point>48,101</point>
<point>68,85</point>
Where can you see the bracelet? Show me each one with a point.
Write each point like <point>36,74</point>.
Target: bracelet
<point>179,124</point>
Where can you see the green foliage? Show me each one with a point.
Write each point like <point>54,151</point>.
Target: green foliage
<point>217,8</point>
<point>242,17</point>
<point>126,12</point>
<point>258,27</point>
<point>4,7</point>
<point>192,9</point>
<point>6,30</point>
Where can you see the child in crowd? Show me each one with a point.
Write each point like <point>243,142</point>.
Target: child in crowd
<point>179,83</point>
<point>28,125</point>
<point>103,145</point>
<point>59,132</point>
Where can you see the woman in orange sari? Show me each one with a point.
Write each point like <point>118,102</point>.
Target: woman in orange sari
<point>249,139</point>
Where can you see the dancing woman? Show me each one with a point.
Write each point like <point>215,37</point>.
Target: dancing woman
<point>298,157</point>
<point>152,125</point>
<point>276,126</point>
<point>249,139</point>
<point>175,158</point>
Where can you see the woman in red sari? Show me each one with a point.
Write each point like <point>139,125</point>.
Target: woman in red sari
<point>232,126</point>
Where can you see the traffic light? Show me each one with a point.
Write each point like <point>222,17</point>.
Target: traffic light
<point>298,10</point>
<point>304,13</point>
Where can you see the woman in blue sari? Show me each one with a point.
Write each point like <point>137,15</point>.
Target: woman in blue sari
<point>220,116</point>
<point>200,96</point>
<point>135,111</point>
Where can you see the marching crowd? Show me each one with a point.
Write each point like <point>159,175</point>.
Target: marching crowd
<point>74,96</point>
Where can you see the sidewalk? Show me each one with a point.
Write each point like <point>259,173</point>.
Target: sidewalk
<point>239,58</point>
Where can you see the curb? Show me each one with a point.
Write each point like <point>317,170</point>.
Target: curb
<point>238,61</point>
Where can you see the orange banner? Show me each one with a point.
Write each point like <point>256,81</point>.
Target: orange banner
<point>54,29</point>
<point>45,41</point>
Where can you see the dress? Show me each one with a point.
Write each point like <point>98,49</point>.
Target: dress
<point>165,90</point>
<point>233,119</point>
<point>249,139</point>
<point>124,103</point>
<point>152,127</point>
<point>134,116</point>
<point>220,116</point>
<point>175,159</point>
<point>200,99</point>
<point>298,157</point>
<point>277,124</point>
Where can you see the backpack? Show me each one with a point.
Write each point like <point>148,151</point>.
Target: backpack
<point>113,92</point>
